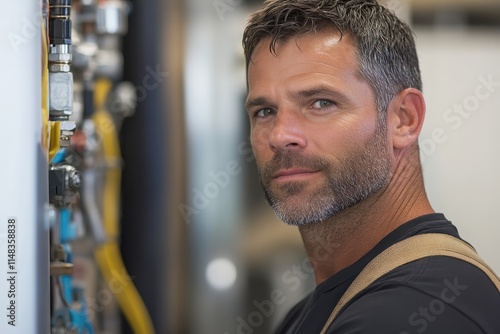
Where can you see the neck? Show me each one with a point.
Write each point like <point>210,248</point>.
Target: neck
<point>337,243</point>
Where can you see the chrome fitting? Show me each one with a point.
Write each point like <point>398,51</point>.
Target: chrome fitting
<point>60,95</point>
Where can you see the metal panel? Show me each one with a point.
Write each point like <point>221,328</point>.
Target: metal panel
<point>23,174</point>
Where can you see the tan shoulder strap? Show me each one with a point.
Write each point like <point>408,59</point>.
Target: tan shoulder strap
<point>409,250</point>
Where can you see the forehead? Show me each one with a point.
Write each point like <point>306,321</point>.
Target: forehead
<point>320,57</point>
<point>325,52</point>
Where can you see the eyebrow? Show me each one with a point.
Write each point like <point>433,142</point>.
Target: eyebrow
<point>258,101</point>
<point>319,90</point>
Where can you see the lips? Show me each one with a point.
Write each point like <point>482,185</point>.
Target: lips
<point>293,173</point>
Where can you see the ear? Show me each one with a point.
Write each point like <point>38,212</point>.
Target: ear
<point>405,117</point>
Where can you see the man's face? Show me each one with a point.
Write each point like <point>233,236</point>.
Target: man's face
<point>315,132</point>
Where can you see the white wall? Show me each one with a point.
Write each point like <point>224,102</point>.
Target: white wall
<point>23,173</point>
<point>461,148</point>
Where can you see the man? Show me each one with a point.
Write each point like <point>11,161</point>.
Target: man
<point>335,104</point>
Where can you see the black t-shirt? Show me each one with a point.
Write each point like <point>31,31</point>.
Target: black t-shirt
<point>435,295</point>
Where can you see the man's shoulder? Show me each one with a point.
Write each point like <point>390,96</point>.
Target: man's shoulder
<point>437,294</point>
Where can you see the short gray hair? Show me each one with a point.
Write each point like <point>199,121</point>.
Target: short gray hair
<point>386,49</point>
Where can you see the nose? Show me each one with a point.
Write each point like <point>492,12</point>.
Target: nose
<point>287,132</point>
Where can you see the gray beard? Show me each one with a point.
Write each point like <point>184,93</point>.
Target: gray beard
<point>349,181</point>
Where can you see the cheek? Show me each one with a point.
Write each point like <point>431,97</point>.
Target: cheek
<point>344,134</point>
<point>260,138</point>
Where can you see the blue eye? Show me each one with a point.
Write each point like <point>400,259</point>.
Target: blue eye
<point>263,113</point>
<point>321,104</point>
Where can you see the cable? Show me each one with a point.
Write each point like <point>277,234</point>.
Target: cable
<point>50,130</point>
<point>45,90</point>
<point>108,255</point>
<point>112,267</point>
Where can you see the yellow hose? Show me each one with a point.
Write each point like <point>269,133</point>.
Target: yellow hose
<point>50,130</point>
<point>108,255</point>
<point>55,138</point>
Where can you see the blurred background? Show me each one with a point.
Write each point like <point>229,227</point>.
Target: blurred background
<point>194,234</point>
<point>228,265</point>
<point>459,47</point>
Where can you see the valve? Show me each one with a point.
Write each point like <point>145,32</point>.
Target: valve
<point>60,76</point>
<point>64,182</point>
